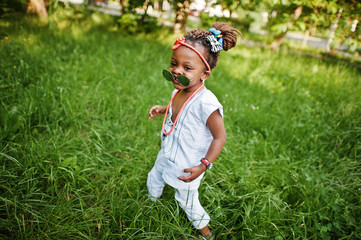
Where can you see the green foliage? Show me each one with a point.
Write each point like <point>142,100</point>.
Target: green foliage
<point>149,24</point>
<point>76,144</point>
<point>133,23</point>
<point>344,35</point>
<point>242,24</point>
<point>227,4</point>
<point>12,6</point>
<point>133,4</point>
<point>320,15</point>
<point>129,23</point>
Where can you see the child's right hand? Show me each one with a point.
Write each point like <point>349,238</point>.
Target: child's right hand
<point>156,110</point>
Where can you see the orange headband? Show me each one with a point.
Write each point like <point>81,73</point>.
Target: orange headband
<point>182,41</point>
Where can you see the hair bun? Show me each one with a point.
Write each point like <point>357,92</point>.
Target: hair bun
<point>229,34</point>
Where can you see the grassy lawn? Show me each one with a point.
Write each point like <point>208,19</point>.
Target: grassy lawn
<point>76,144</point>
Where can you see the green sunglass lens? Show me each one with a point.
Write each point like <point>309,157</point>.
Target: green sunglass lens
<point>167,75</point>
<point>183,80</point>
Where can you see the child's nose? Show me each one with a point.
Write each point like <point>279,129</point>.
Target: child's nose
<point>177,71</point>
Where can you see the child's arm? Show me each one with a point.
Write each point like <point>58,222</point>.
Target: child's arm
<point>156,110</point>
<point>216,126</point>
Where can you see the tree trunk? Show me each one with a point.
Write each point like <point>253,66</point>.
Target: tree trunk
<point>207,6</point>
<point>37,7</point>
<point>296,14</point>
<point>159,4</point>
<point>181,15</point>
<point>279,39</point>
<point>123,6</point>
<point>305,38</point>
<point>333,30</point>
<point>354,25</point>
<point>146,5</point>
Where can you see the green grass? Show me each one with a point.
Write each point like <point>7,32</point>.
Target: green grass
<point>76,144</point>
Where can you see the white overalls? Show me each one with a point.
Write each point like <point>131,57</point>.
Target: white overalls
<point>184,148</point>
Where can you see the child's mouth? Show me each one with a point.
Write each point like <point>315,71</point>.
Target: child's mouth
<point>175,80</point>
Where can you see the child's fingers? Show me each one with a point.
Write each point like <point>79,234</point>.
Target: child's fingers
<point>150,115</point>
<point>152,112</point>
<point>188,178</point>
<point>185,179</point>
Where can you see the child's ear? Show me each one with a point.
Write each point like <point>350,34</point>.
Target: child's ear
<point>206,75</point>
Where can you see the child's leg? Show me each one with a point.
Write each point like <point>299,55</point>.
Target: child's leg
<point>188,200</point>
<point>155,182</point>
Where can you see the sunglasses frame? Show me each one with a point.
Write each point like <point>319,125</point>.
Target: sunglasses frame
<point>183,80</point>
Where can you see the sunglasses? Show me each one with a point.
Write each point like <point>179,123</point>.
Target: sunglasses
<point>182,79</point>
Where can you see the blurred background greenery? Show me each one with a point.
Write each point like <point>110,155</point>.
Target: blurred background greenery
<point>77,81</point>
<point>335,22</point>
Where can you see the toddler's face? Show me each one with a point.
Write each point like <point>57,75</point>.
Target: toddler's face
<point>186,62</point>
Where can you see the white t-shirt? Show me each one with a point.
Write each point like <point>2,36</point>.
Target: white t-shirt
<point>190,139</point>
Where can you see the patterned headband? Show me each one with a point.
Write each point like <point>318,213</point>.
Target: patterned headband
<point>215,40</point>
<point>182,41</point>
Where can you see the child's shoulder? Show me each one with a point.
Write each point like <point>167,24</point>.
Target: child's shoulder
<point>208,104</point>
<point>208,95</point>
<point>209,100</point>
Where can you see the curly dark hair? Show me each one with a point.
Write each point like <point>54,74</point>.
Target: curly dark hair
<point>199,36</point>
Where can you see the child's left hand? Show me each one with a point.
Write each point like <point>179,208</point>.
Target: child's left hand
<point>195,172</point>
